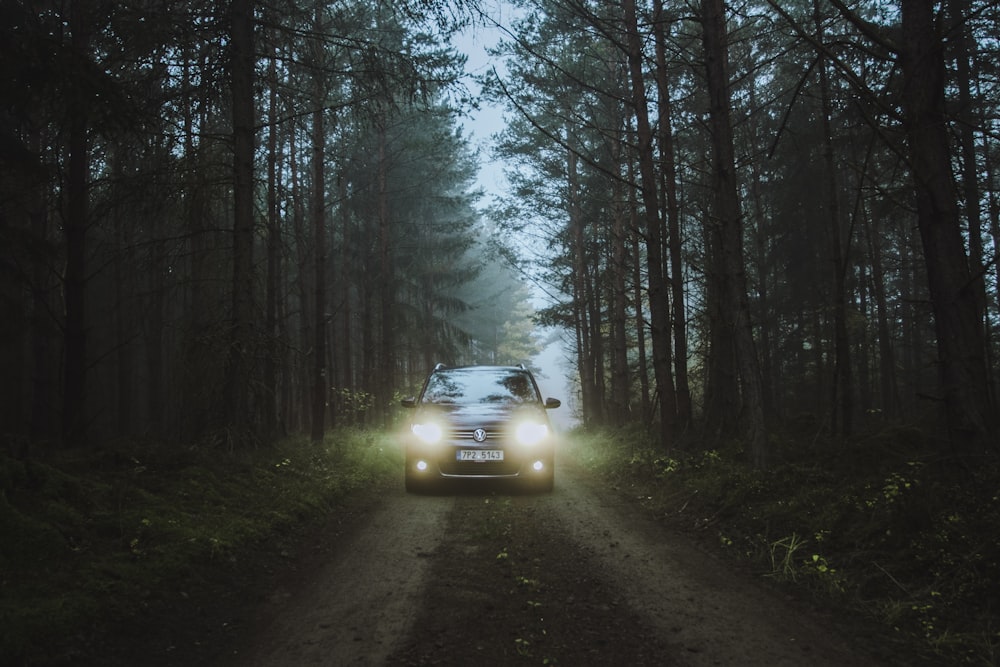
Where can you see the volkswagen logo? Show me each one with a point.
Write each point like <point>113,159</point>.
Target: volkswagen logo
<point>479,435</point>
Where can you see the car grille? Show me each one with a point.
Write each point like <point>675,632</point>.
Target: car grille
<point>466,434</point>
<point>480,469</point>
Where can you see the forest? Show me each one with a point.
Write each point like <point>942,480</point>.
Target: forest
<point>770,214</point>
<point>235,221</point>
<point>767,230</point>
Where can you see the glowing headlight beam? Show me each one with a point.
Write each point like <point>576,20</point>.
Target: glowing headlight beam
<point>429,433</point>
<point>530,433</point>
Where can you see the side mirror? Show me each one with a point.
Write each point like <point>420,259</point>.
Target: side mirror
<point>552,403</point>
<point>408,402</point>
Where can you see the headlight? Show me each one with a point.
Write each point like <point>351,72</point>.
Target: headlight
<point>530,433</point>
<point>429,433</point>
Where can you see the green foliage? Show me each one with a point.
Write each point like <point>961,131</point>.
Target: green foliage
<point>352,404</point>
<point>784,555</point>
<point>881,527</point>
<point>89,537</point>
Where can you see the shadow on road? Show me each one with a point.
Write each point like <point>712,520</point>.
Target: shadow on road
<point>481,487</point>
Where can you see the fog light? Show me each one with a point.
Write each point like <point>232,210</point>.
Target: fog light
<point>422,466</point>
<point>537,465</point>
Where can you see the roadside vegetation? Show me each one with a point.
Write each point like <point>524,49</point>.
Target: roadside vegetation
<point>881,527</point>
<point>92,537</point>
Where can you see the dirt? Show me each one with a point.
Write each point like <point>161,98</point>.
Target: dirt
<point>488,575</point>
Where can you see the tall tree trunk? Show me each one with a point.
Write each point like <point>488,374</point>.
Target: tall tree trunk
<point>241,73</point>
<point>972,195</point>
<point>319,383</point>
<point>387,291</point>
<point>888,393</point>
<point>843,390</point>
<point>270,387</point>
<point>75,230</point>
<point>154,325</point>
<point>659,306</point>
<point>954,290</point>
<point>368,338</point>
<point>994,226</point>
<point>766,323</point>
<point>346,311</point>
<point>125,349</point>
<point>729,225</point>
<point>619,403</point>
<point>43,387</point>
<point>195,403</point>
<point>584,343</point>
<point>637,296</point>
<point>915,315</point>
<point>722,385</point>
<point>594,305</point>
<point>303,287</point>
<point>668,175</point>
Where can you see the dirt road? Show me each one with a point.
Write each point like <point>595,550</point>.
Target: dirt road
<point>480,575</point>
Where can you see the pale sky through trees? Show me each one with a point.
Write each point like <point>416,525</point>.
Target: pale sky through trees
<point>486,121</point>
<point>480,126</point>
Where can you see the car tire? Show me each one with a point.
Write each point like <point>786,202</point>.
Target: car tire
<point>543,484</point>
<point>416,484</point>
<point>548,482</point>
<point>412,485</point>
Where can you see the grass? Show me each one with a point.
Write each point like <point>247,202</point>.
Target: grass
<point>884,528</point>
<point>90,537</point>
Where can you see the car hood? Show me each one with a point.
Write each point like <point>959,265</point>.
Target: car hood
<point>480,414</point>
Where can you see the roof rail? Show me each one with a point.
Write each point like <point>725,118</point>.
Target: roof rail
<point>439,366</point>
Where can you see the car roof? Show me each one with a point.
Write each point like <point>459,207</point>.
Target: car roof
<point>482,367</point>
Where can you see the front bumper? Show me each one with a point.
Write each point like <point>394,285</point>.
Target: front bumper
<point>442,461</point>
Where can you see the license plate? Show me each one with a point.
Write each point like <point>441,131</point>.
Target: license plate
<point>480,455</point>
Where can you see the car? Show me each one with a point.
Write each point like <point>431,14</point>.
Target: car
<point>479,422</point>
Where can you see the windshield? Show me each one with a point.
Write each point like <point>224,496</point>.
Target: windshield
<point>472,386</point>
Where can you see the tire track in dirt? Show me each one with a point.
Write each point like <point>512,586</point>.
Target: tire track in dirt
<point>480,574</point>
<point>694,600</point>
<point>359,606</point>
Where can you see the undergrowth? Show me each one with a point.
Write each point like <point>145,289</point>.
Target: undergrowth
<point>884,527</point>
<point>90,536</point>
